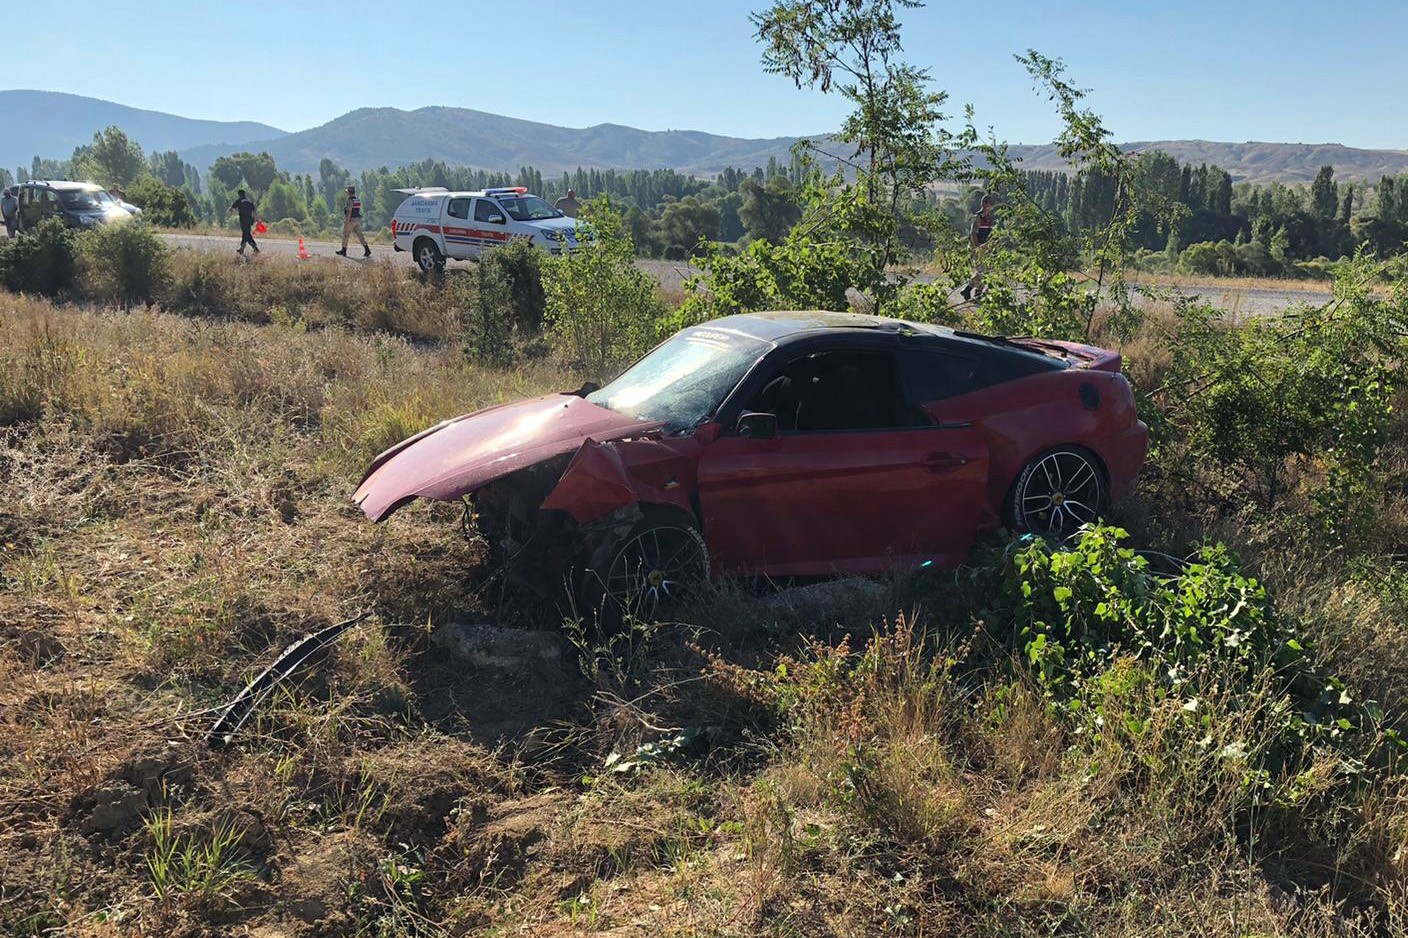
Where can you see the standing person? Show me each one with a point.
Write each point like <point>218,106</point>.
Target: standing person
<point>10,206</point>
<point>568,204</point>
<point>245,208</point>
<point>978,234</point>
<point>352,222</point>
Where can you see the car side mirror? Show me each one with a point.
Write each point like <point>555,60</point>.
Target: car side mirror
<point>757,426</point>
<point>496,219</point>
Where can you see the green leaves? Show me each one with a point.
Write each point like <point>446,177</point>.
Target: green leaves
<point>1092,621</point>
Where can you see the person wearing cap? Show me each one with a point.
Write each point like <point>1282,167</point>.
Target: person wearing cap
<point>978,234</point>
<point>352,222</point>
<point>568,204</point>
<point>10,206</point>
<point>245,208</point>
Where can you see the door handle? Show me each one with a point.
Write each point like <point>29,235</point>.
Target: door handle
<point>943,462</point>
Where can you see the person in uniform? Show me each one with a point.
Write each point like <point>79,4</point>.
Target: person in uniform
<point>568,204</point>
<point>245,208</point>
<point>352,222</point>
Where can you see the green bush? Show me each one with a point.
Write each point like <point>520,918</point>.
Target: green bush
<point>602,310</point>
<point>1293,412</point>
<point>161,204</point>
<point>486,312</point>
<point>123,263</point>
<point>520,266</point>
<point>40,262</point>
<point>1208,633</point>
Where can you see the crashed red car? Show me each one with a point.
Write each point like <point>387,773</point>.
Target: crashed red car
<point>782,444</point>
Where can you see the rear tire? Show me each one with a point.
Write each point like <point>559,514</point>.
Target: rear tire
<point>1057,492</point>
<point>428,256</point>
<point>648,572</point>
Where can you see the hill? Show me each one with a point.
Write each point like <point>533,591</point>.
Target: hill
<point>1252,161</point>
<point>50,124</point>
<point>372,137</point>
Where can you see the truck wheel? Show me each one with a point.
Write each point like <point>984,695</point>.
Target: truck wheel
<point>428,256</point>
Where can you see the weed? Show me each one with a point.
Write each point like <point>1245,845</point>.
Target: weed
<point>206,870</point>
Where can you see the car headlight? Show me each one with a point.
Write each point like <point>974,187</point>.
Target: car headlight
<point>551,234</point>
<point>88,221</point>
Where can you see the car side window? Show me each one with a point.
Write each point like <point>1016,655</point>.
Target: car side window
<point>483,208</point>
<point>933,375</point>
<point>840,391</point>
<point>459,208</point>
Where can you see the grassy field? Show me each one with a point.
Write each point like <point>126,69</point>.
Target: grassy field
<point>174,509</point>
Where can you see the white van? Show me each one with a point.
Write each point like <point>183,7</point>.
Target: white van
<point>435,224</point>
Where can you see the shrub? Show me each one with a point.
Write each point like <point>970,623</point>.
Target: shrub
<point>1300,405</point>
<point>601,308</point>
<point>487,312</point>
<point>1209,633</point>
<point>162,204</point>
<point>520,266</point>
<point>41,262</point>
<point>801,273</point>
<point>123,263</point>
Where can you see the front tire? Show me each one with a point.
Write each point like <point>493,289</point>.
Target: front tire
<point>428,256</point>
<point>1057,492</point>
<point>651,570</point>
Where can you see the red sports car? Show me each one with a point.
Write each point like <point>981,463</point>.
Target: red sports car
<point>781,444</point>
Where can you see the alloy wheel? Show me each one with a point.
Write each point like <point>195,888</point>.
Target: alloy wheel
<point>1058,493</point>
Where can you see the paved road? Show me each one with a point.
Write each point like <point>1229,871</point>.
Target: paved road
<point>279,247</point>
<point>1246,301</point>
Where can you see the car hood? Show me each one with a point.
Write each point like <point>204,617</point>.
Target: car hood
<point>556,224</point>
<point>454,458</point>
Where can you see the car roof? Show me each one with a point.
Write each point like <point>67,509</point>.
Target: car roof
<point>63,185</point>
<point>437,193</point>
<point>784,326</point>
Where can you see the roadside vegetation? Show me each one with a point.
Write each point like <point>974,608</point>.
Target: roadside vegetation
<point>1188,722</point>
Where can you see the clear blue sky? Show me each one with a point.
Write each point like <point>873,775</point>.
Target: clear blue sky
<point>1249,70</point>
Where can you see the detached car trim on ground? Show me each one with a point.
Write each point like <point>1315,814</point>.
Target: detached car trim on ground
<point>783,444</point>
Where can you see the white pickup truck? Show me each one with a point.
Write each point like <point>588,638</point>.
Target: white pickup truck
<point>436,224</point>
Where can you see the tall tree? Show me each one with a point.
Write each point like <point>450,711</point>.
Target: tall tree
<point>112,158</point>
<point>852,47</point>
<point>257,169</point>
<point>1387,199</point>
<point>1324,195</point>
<point>768,212</point>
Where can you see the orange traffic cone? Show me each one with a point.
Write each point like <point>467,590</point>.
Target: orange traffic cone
<point>303,254</point>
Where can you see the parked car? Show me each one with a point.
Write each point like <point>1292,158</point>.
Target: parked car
<point>435,224</point>
<point>782,444</point>
<point>79,204</point>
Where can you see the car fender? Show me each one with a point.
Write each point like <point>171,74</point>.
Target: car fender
<point>1022,418</point>
<point>604,477</point>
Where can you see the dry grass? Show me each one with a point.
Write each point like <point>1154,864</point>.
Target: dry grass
<point>174,509</point>
<point>1233,284</point>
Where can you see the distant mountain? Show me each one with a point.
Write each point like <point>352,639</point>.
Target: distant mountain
<point>1254,162</point>
<point>372,137</point>
<point>50,124</point>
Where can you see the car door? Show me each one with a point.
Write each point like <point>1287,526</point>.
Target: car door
<point>31,209</point>
<point>457,231</point>
<point>856,480</point>
<point>490,223</point>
